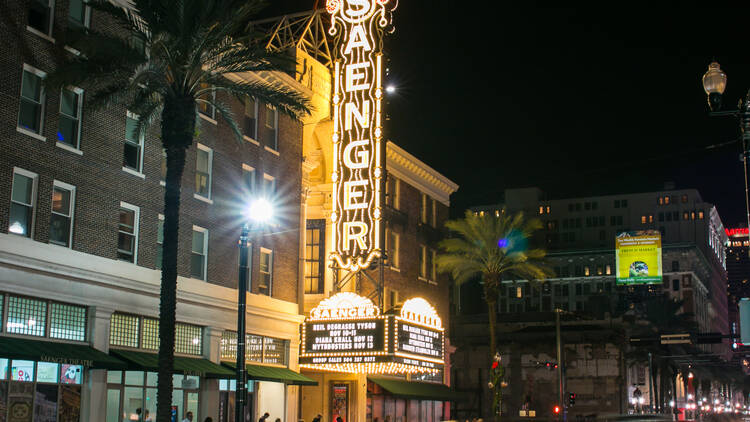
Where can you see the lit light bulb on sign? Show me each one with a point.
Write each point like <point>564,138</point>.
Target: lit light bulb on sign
<point>357,130</point>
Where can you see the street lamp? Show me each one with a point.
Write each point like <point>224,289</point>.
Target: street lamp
<point>259,212</point>
<point>714,84</point>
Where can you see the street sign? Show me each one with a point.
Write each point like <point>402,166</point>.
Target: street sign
<point>683,338</point>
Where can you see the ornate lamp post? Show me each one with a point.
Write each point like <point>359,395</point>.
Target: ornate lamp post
<point>714,83</point>
<point>259,212</point>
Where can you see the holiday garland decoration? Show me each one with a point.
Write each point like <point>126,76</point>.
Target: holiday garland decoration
<point>497,383</point>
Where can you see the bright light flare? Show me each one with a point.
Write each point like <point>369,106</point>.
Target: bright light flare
<point>390,89</point>
<point>260,210</point>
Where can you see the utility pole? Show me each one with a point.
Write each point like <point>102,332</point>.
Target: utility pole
<point>563,409</point>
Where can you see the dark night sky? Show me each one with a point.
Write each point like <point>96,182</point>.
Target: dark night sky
<point>583,101</point>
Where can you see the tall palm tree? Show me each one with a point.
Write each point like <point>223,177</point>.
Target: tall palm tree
<point>163,59</point>
<point>491,248</point>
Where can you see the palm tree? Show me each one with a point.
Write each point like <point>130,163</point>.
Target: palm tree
<point>163,59</point>
<point>491,248</point>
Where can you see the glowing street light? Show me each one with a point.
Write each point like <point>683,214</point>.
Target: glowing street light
<point>259,211</point>
<point>390,89</point>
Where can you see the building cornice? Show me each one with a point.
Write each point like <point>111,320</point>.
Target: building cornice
<point>413,171</point>
<point>118,280</point>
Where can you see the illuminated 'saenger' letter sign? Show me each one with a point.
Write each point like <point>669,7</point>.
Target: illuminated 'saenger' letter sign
<point>357,131</point>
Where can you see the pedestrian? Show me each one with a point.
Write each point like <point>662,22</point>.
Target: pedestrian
<point>138,414</point>
<point>188,417</point>
<point>317,418</point>
<point>338,419</point>
<point>278,419</point>
<point>264,417</point>
<point>147,416</point>
<point>208,419</point>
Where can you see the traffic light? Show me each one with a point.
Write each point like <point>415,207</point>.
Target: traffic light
<point>556,410</point>
<point>571,399</point>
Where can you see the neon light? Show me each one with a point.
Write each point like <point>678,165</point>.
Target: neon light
<point>741,231</point>
<point>420,311</point>
<point>357,131</point>
<point>345,305</point>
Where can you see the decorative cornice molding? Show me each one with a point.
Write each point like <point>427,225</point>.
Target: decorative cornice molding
<point>418,174</point>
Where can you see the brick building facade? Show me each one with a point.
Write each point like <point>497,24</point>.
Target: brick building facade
<point>81,197</point>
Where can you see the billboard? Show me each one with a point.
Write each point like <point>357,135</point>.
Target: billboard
<point>638,257</point>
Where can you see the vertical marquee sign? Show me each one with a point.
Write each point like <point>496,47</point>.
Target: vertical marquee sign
<point>357,130</point>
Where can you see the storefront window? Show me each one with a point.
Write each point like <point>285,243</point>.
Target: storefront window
<point>40,391</point>
<point>135,398</point>
<point>142,332</point>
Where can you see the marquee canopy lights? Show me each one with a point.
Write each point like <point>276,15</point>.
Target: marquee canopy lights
<point>357,130</point>
<point>346,333</point>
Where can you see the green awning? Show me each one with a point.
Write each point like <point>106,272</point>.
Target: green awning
<point>50,351</point>
<point>416,390</point>
<point>274,374</point>
<point>182,365</point>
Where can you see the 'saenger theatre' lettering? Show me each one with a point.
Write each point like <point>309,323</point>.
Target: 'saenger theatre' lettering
<point>357,136</point>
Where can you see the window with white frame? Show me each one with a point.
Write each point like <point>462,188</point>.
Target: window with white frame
<point>248,179</point>
<point>272,127</point>
<point>159,241</point>
<point>127,233</point>
<point>199,253</point>
<point>133,150</point>
<point>392,247</point>
<point>69,124</point>
<point>22,202</point>
<point>423,209</point>
<point>250,118</point>
<point>206,101</point>
<point>31,110</point>
<point>61,219</point>
<point>269,185</point>
<point>41,16</point>
<point>203,164</point>
<point>79,14</point>
<point>266,272</point>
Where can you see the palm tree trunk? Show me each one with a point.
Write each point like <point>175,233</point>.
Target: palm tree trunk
<point>178,127</point>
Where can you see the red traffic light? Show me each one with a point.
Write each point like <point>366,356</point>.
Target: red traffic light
<point>556,410</point>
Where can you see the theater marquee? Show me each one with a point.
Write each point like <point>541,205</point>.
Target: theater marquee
<point>357,130</point>
<point>346,333</point>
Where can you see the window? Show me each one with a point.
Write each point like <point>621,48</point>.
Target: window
<point>203,164</point>
<point>266,272</point>
<point>188,339</point>
<point>31,110</point>
<point>315,256</point>
<point>79,13</point>
<point>272,123</point>
<point>61,220</point>
<point>676,285</point>
<point>250,119</point>
<point>432,265</point>
<point>159,241</point>
<point>163,166</point>
<point>269,185</point>
<point>685,215</point>
<point>608,269</point>
<point>258,349</point>
<point>651,218</point>
<point>666,200</point>
<point>26,316</point>
<point>700,215</point>
<point>586,271</point>
<point>199,253</point>
<point>22,202</point>
<point>41,16</point>
<point>133,152</point>
<point>617,203</point>
<point>248,179</point>
<point>661,216</point>
<point>433,203</point>
<point>423,209</point>
<point>67,322</point>
<point>541,209</point>
<point>675,265</point>
<point>392,247</point>
<point>69,125</point>
<point>392,191</point>
<point>206,101</point>
<point>519,292</point>
<point>391,298</point>
<point>127,233</point>
<point>423,262</point>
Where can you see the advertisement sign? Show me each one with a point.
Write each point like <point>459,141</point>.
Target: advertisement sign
<point>358,167</point>
<point>346,333</point>
<point>638,257</point>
